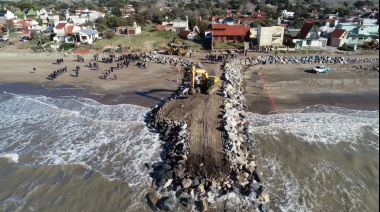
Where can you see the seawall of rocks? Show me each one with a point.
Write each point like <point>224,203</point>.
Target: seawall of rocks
<point>172,185</point>
<point>171,182</point>
<point>311,59</point>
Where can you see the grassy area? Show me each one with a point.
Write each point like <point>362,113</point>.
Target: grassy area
<point>222,45</point>
<point>149,38</point>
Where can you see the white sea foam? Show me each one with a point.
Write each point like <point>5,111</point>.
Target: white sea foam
<point>335,175</point>
<point>11,157</point>
<point>112,139</point>
<point>318,123</point>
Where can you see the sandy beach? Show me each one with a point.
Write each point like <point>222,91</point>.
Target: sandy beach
<point>290,86</point>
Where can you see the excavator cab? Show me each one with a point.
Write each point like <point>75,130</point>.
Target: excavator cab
<point>207,84</point>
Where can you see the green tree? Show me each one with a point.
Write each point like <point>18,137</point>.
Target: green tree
<point>116,12</point>
<point>359,4</point>
<point>26,5</point>
<point>109,34</point>
<point>101,27</point>
<point>203,25</point>
<point>10,24</point>
<point>298,23</point>
<point>256,23</point>
<point>34,35</point>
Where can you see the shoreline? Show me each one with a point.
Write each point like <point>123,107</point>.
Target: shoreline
<point>355,101</point>
<point>150,98</point>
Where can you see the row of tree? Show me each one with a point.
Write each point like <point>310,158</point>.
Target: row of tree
<point>197,11</point>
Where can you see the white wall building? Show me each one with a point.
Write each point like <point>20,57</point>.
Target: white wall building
<point>287,14</point>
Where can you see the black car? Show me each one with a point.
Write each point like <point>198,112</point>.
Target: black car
<point>24,38</point>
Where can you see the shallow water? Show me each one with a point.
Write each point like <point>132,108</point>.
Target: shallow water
<point>70,153</point>
<point>320,158</point>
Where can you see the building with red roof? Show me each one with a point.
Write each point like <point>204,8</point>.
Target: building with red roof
<point>22,26</point>
<point>338,37</point>
<point>230,33</point>
<point>309,36</point>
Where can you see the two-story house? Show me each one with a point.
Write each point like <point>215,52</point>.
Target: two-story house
<point>358,33</point>
<point>64,31</point>
<point>270,36</point>
<point>309,36</point>
<point>230,33</point>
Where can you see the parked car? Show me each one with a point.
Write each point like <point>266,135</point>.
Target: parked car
<point>4,38</point>
<point>321,69</point>
<point>23,38</point>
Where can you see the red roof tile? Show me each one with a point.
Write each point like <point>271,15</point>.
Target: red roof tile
<point>69,29</point>
<point>305,30</point>
<point>217,17</point>
<point>259,13</point>
<point>184,33</point>
<point>337,33</point>
<point>229,30</point>
<point>60,25</point>
<point>22,23</point>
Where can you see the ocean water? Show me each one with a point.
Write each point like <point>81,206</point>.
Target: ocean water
<point>320,158</point>
<point>70,153</point>
<point>73,154</point>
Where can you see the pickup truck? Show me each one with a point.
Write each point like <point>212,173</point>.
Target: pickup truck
<point>321,69</point>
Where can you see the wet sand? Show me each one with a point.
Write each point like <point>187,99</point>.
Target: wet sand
<point>290,86</point>
<point>284,87</point>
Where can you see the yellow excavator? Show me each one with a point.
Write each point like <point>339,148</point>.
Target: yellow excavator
<point>176,49</point>
<point>202,82</point>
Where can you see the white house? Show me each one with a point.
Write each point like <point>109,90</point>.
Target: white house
<point>95,15</point>
<point>287,14</point>
<point>338,37</point>
<point>9,15</point>
<point>87,36</point>
<point>82,11</point>
<point>76,19</point>
<point>208,33</point>
<point>34,25</point>
<point>64,31</point>
<point>42,11</point>
<point>179,25</point>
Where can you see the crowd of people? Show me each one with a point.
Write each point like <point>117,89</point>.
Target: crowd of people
<point>57,72</point>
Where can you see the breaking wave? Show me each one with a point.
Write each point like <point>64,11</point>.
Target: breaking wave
<point>319,158</point>
<point>111,139</point>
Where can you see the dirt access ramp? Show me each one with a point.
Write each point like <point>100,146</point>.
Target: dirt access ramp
<point>202,114</point>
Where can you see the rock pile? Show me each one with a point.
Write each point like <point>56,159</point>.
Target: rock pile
<point>313,59</point>
<point>170,177</point>
<point>238,143</point>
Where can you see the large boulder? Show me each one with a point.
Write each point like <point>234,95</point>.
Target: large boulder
<point>186,183</point>
<point>166,203</point>
<point>152,199</point>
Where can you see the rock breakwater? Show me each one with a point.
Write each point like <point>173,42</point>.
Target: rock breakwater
<point>177,184</point>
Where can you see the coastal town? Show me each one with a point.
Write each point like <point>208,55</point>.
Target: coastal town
<point>200,67</point>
